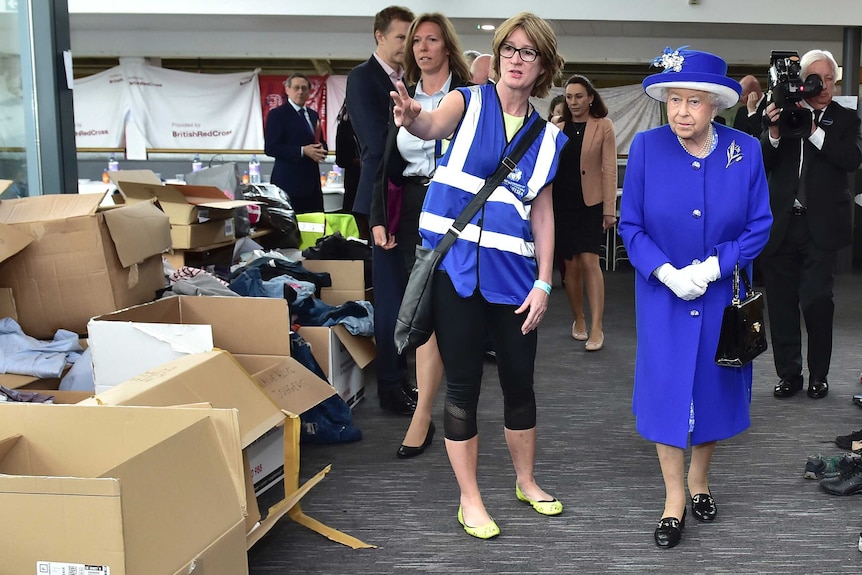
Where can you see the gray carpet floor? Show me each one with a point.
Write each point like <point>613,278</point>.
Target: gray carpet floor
<point>770,519</point>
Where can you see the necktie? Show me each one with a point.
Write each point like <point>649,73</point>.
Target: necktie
<point>806,159</point>
<point>307,119</point>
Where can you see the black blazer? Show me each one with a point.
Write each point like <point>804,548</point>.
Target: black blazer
<point>285,135</point>
<point>393,164</point>
<point>751,125</point>
<point>828,196</point>
<point>368,88</point>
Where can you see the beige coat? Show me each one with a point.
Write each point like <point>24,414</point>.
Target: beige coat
<point>599,165</point>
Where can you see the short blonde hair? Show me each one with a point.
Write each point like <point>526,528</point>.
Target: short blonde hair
<point>542,35</point>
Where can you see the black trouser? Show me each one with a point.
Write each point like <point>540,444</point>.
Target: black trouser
<point>461,325</point>
<point>799,275</point>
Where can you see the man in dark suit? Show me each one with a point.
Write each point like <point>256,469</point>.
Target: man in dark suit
<point>749,116</point>
<point>811,207</point>
<point>368,104</point>
<point>292,137</point>
<point>368,87</point>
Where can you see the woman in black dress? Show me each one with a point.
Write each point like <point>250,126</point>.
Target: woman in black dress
<point>585,205</point>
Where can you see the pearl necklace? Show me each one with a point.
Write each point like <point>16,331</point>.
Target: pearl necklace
<point>704,149</point>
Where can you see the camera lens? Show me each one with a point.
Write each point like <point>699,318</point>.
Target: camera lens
<point>794,123</point>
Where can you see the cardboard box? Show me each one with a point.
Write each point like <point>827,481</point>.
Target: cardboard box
<point>342,357</point>
<point>203,256</point>
<point>348,280</point>
<point>240,325</point>
<point>200,235</point>
<point>257,332</point>
<point>184,205</point>
<point>80,262</point>
<point>119,488</point>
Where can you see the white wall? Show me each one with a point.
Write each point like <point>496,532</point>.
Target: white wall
<point>341,29</point>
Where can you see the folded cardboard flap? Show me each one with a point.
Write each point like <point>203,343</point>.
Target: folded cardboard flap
<point>102,468</point>
<point>287,382</point>
<point>181,202</point>
<point>141,176</point>
<point>360,348</point>
<point>12,241</point>
<point>49,207</point>
<point>138,231</point>
<point>214,377</point>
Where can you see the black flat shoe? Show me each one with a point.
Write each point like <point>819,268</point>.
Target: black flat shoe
<point>669,531</point>
<point>405,452</point>
<point>703,507</point>
<point>787,388</point>
<point>817,389</point>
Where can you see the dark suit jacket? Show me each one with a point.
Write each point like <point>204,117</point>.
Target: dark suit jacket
<point>828,197</point>
<point>751,125</point>
<point>368,88</point>
<point>392,166</point>
<point>286,133</point>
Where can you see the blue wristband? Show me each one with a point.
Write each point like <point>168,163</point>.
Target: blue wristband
<point>544,286</point>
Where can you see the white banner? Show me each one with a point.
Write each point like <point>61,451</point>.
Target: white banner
<point>182,110</point>
<point>101,105</point>
<point>174,110</point>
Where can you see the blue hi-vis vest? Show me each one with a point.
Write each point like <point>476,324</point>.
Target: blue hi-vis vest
<point>495,252</point>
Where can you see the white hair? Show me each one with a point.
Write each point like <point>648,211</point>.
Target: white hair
<point>815,56</point>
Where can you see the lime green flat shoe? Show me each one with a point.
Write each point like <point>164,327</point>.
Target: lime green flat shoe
<point>486,531</point>
<point>553,507</point>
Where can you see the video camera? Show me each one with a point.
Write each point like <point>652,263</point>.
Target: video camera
<point>786,88</point>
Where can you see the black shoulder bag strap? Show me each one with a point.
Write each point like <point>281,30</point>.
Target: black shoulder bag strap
<point>507,164</point>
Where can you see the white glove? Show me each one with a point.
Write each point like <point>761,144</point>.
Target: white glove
<point>680,282</point>
<point>705,272</point>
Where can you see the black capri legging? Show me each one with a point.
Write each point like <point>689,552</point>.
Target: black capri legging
<point>461,325</point>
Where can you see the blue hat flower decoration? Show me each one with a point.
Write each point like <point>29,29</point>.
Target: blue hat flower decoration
<point>692,70</point>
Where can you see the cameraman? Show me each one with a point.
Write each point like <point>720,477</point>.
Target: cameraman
<point>811,208</point>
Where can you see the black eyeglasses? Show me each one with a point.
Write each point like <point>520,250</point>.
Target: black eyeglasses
<point>526,54</point>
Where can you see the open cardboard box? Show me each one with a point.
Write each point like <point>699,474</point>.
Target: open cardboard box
<point>348,280</point>
<point>184,204</point>
<point>120,489</point>
<point>65,261</point>
<point>257,333</point>
<point>342,357</point>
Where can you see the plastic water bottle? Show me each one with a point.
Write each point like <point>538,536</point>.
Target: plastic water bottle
<point>197,166</point>
<point>254,170</point>
<point>245,178</point>
<point>106,179</point>
<point>113,164</point>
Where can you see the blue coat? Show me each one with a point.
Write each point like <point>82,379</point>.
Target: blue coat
<point>679,209</point>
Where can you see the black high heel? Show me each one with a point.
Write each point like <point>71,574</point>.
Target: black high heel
<point>405,452</point>
<point>668,533</point>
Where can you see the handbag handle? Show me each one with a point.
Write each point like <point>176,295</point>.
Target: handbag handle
<point>507,164</point>
<point>737,273</point>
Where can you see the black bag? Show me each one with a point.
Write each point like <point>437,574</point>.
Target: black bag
<point>743,333</point>
<point>415,322</point>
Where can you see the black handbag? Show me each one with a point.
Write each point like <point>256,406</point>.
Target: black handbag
<point>743,333</point>
<point>415,322</point>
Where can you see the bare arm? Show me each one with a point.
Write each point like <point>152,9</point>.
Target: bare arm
<point>542,223</point>
<point>434,125</point>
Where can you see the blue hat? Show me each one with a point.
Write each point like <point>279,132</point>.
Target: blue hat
<point>693,70</point>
